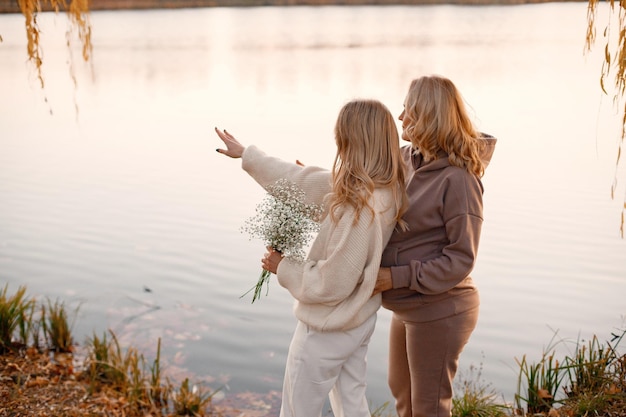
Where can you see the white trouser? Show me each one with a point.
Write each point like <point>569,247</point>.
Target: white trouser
<point>323,364</point>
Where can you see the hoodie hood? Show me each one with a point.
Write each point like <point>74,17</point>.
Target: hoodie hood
<point>488,148</point>
<point>417,160</point>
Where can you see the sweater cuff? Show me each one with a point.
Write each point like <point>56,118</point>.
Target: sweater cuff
<point>248,157</point>
<point>401,276</point>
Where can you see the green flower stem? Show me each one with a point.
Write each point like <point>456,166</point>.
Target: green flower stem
<point>264,278</point>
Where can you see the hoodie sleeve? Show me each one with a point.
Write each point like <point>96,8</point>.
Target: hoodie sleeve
<point>463,222</point>
<point>462,213</point>
<point>266,170</point>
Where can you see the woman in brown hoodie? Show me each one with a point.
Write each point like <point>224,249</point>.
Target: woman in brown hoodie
<point>425,271</point>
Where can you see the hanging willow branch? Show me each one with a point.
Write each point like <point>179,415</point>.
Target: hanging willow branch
<point>612,62</point>
<point>78,15</point>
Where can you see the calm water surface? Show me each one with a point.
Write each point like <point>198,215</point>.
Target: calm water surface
<point>125,210</point>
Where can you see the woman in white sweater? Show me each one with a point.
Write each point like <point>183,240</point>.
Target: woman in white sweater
<point>363,198</point>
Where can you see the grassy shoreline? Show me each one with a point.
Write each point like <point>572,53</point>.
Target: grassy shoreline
<point>13,7</point>
<point>44,372</point>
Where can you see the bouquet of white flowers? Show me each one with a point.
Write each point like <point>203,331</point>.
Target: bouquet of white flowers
<point>284,221</point>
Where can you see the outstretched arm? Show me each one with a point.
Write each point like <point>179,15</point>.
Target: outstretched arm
<point>266,170</point>
<point>234,149</point>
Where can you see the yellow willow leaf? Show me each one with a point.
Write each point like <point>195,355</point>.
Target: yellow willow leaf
<point>78,13</point>
<point>56,3</point>
<point>29,9</point>
<point>613,187</point>
<point>619,77</point>
<point>590,38</point>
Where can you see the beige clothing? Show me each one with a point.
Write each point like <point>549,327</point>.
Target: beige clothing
<point>333,287</point>
<point>431,262</point>
<point>434,300</point>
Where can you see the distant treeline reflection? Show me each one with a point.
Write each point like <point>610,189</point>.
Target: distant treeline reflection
<point>13,6</point>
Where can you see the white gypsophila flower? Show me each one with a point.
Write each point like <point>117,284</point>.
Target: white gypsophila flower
<point>284,221</point>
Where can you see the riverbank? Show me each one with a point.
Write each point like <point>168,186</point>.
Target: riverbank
<point>43,384</point>
<point>13,7</point>
<point>55,376</point>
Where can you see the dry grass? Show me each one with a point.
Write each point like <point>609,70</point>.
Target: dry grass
<point>40,384</point>
<point>39,378</point>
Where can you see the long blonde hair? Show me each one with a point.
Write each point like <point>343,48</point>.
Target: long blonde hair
<point>368,156</point>
<point>435,120</point>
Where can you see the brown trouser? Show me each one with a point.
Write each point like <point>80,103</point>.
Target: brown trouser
<point>423,359</point>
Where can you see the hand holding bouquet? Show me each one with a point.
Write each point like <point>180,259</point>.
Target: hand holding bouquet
<point>285,223</point>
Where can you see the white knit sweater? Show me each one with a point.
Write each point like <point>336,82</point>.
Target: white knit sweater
<point>333,287</point>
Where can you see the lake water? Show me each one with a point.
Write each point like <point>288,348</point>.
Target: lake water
<point>124,209</point>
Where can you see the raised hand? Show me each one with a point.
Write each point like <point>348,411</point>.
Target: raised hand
<point>234,149</point>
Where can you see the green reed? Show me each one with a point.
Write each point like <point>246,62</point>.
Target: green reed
<point>57,327</point>
<point>591,381</point>
<point>191,401</point>
<point>14,314</point>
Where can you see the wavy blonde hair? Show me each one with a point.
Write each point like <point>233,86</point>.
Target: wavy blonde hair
<point>368,156</point>
<point>435,120</point>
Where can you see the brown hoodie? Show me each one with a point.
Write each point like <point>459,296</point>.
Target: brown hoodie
<point>431,262</point>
